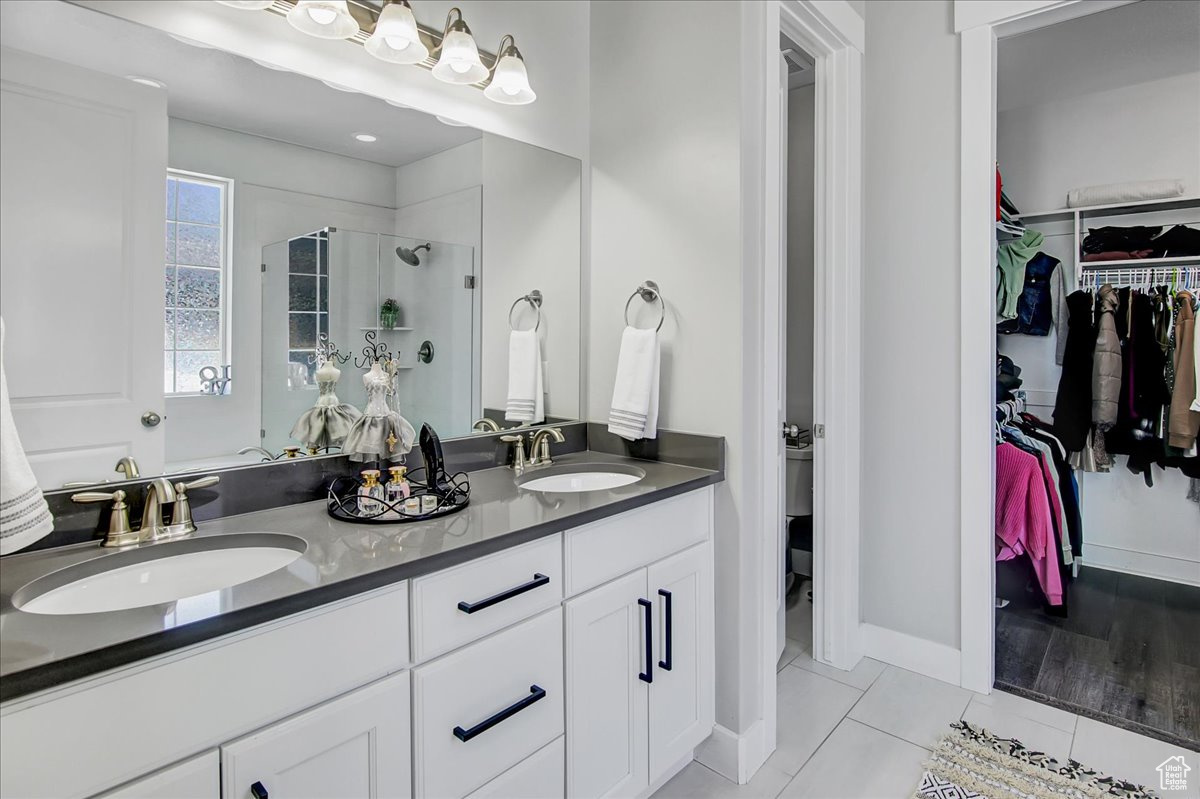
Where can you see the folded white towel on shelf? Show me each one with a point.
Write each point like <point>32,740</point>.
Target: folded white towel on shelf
<point>24,515</point>
<point>1132,192</point>
<point>634,412</point>
<point>526,384</point>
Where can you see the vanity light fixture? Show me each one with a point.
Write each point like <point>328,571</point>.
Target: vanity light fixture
<point>396,38</point>
<point>248,5</point>
<point>510,81</point>
<point>151,82</point>
<point>459,61</point>
<point>366,137</point>
<point>325,19</point>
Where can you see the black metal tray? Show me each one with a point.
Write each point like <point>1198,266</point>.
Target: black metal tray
<point>453,493</point>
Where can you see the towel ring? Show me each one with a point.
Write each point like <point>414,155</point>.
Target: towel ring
<point>534,298</point>
<point>650,292</point>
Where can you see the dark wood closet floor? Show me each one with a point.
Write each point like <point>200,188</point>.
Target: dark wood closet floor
<point>1128,653</point>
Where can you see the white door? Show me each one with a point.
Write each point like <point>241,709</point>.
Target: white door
<point>84,160</point>
<point>682,695</point>
<point>606,697</point>
<point>780,478</point>
<point>198,778</point>
<point>356,746</point>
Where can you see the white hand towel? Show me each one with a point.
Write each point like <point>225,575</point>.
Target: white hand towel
<point>634,412</point>
<point>24,515</point>
<point>526,386</point>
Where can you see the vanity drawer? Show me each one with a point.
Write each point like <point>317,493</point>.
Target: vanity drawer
<point>542,775</point>
<point>462,604</point>
<point>605,550</point>
<point>503,695</point>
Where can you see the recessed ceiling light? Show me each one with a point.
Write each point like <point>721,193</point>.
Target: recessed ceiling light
<point>340,87</point>
<point>454,123</point>
<point>157,84</point>
<point>367,137</point>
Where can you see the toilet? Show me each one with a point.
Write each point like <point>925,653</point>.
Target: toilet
<point>798,488</point>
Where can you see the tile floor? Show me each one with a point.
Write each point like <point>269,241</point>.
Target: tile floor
<point>866,733</point>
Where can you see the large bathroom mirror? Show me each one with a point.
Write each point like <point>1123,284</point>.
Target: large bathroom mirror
<point>199,249</point>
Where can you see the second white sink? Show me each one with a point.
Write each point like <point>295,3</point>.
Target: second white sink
<point>577,477</point>
<point>151,575</point>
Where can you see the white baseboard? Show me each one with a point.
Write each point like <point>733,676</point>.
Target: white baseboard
<point>735,757</point>
<point>926,657</point>
<point>1143,564</point>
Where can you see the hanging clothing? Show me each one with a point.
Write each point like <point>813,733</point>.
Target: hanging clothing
<point>1184,423</point>
<point>1023,517</point>
<point>1106,362</point>
<point>1040,303</point>
<point>1010,271</point>
<point>1073,403</point>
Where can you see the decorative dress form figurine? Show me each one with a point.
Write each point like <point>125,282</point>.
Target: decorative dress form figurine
<point>381,433</point>
<point>328,422</point>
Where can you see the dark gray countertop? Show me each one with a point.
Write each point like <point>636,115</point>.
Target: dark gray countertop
<point>42,651</point>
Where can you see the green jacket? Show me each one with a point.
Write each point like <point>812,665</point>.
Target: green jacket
<point>1010,271</point>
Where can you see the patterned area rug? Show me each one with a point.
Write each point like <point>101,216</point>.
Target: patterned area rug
<point>970,762</point>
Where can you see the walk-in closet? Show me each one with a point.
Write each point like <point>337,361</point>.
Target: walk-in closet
<point>1097,480</point>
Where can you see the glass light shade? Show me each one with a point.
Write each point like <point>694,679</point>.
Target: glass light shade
<point>459,61</point>
<point>325,19</point>
<point>396,38</point>
<point>510,82</point>
<point>248,5</point>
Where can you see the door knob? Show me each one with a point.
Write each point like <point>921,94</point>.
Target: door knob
<point>151,419</point>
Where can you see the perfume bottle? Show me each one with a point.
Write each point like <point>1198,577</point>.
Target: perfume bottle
<point>369,494</point>
<point>395,492</point>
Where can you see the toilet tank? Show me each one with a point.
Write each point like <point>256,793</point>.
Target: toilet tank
<point>799,481</point>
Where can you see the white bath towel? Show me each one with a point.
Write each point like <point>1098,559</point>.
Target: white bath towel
<point>24,515</point>
<point>1135,191</point>
<point>526,384</point>
<point>634,412</point>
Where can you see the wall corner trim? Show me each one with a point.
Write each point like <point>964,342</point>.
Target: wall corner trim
<point>921,655</point>
<point>735,757</point>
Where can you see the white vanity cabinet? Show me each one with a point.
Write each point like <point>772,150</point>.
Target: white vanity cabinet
<point>352,747</point>
<point>196,778</point>
<point>640,660</point>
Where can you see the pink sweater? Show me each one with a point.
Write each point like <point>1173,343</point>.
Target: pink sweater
<point>1023,520</point>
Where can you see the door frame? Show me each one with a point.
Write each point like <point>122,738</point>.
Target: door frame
<point>834,35</point>
<point>979,26</point>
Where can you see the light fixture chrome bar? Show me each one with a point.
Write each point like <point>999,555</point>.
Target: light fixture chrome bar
<point>367,14</point>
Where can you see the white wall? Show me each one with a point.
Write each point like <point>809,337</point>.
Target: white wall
<point>665,206</point>
<point>910,532</point>
<point>531,230</point>
<point>1066,138</point>
<point>280,191</point>
<point>552,37</point>
<point>800,289</point>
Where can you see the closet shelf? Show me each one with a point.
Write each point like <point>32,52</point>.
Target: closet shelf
<point>1141,263</point>
<point>1114,209</point>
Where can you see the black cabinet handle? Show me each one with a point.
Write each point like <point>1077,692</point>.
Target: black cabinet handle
<point>535,693</point>
<point>258,791</point>
<point>537,581</point>
<point>665,665</point>
<point>648,674</point>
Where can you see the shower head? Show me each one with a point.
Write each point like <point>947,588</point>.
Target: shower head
<point>410,257</point>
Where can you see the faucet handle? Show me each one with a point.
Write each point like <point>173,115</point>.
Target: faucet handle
<point>203,482</point>
<point>119,533</point>
<point>181,515</point>
<point>518,442</point>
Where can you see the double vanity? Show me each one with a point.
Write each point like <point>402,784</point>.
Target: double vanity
<point>553,639</point>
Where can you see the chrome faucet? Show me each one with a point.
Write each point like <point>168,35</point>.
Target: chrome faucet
<point>518,449</point>
<point>539,446</point>
<point>161,492</point>
<point>486,425</point>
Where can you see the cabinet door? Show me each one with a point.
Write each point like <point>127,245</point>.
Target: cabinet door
<point>682,697</point>
<point>606,700</point>
<point>355,746</point>
<point>198,778</point>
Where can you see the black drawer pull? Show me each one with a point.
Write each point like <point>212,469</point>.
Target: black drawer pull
<point>537,581</point>
<point>535,693</point>
<point>648,674</point>
<point>665,665</point>
<point>258,791</point>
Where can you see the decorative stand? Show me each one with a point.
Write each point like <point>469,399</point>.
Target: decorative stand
<point>453,493</point>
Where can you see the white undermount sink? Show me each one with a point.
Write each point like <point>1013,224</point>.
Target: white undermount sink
<point>158,573</point>
<point>577,477</point>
